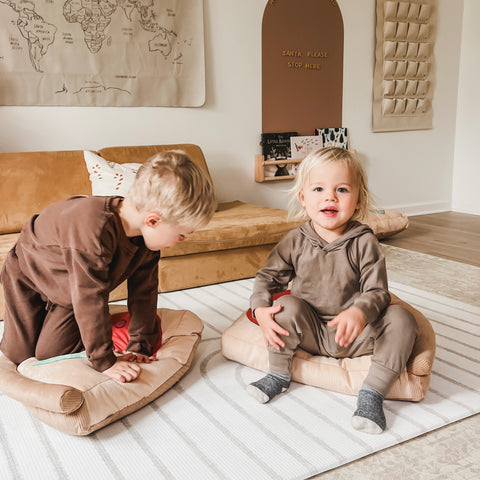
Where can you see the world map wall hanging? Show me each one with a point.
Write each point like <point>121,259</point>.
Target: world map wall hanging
<point>102,53</point>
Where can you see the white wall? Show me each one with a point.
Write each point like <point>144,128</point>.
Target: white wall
<point>466,193</point>
<point>411,171</point>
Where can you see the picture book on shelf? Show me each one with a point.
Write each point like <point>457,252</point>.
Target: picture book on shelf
<point>303,145</point>
<point>276,146</point>
<point>333,137</point>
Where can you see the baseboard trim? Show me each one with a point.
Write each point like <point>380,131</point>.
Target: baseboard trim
<point>422,208</point>
<point>469,212</point>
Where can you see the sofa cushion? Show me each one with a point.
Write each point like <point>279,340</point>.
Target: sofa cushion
<point>243,342</point>
<point>30,181</point>
<point>234,225</point>
<point>237,224</point>
<point>141,153</point>
<point>210,267</point>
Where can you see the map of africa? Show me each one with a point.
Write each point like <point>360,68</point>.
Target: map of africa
<point>102,52</point>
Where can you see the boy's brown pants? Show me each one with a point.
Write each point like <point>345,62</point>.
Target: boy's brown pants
<point>390,339</point>
<point>33,326</point>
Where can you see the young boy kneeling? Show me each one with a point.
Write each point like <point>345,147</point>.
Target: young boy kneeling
<point>58,276</point>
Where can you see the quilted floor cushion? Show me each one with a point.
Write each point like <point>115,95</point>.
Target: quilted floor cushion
<point>72,397</point>
<point>243,343</point>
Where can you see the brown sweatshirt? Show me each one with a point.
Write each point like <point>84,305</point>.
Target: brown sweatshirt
<point>76,252</point>
<point>350,271</point>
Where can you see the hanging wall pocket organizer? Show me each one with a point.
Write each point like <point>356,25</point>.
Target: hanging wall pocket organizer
<point>404,65</point>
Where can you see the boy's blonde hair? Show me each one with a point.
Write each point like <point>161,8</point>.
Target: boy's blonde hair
<point>325,156</point>
<point>172,185</point>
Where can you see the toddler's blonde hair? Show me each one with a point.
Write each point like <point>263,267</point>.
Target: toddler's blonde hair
<point>325,156</point>
<point>172,185</point>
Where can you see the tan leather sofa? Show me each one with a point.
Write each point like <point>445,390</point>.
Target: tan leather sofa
<point>233,246</point>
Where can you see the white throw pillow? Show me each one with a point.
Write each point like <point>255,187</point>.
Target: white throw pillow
<point>109,178</point>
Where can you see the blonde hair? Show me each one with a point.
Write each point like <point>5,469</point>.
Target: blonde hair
<point>325,156</point>
<point>172,185</point>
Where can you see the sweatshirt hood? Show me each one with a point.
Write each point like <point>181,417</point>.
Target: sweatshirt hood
<point>354,229</point>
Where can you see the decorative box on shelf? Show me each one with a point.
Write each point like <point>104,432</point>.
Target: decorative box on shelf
<point>285,169</point>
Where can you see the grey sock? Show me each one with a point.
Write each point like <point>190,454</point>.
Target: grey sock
<point>268,387</point>
<point>369,416</point>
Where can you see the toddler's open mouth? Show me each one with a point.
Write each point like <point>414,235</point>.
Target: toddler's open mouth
<point>329,211</point>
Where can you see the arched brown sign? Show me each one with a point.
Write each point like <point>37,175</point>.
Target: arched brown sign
<point>302,66</point>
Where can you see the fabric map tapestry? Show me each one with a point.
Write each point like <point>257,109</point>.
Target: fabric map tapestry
<point>102,52</point>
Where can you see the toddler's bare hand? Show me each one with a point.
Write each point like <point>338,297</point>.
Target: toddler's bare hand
<point>270,328</point>
<point>350,324</point>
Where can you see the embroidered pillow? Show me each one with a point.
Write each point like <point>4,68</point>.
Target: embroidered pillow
<point>109,178</point>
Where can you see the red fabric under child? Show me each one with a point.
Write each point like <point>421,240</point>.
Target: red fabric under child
<point>274,296</point>
<point>120,335</point>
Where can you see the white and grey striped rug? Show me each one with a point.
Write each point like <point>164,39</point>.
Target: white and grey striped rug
<point>207,427</point>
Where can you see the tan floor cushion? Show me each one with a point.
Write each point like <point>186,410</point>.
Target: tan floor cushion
<point>72,397</point>
<point>243,343</point>
<point>386,223</point>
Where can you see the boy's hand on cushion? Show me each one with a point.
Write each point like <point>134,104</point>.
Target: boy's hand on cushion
<point>350,324</point>
<point>270,328</point>
<point>123,370</point>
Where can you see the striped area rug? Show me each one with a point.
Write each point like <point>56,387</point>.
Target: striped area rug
<point>207,427</point>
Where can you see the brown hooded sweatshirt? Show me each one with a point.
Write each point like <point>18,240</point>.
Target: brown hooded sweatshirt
<point>350,271</point>
<point>75,253</point>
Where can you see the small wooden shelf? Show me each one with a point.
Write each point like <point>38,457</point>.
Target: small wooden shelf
<point>261,163</point>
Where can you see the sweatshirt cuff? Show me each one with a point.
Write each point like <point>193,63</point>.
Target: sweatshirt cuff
<point>103,363</point>
<point>254,306</point>
<point>260,302</point>
<point>144,345</point>
<point>370,314</point>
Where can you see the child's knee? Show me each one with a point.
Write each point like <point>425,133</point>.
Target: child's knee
<point>291,308</point>
<point>403,321</point>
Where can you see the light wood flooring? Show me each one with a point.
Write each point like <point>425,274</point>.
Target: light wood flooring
<point>450,235</point>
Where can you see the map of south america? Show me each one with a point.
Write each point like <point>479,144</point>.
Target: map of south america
<point>38,33</point>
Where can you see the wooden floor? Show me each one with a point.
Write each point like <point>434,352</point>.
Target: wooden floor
<point>451,235</point>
